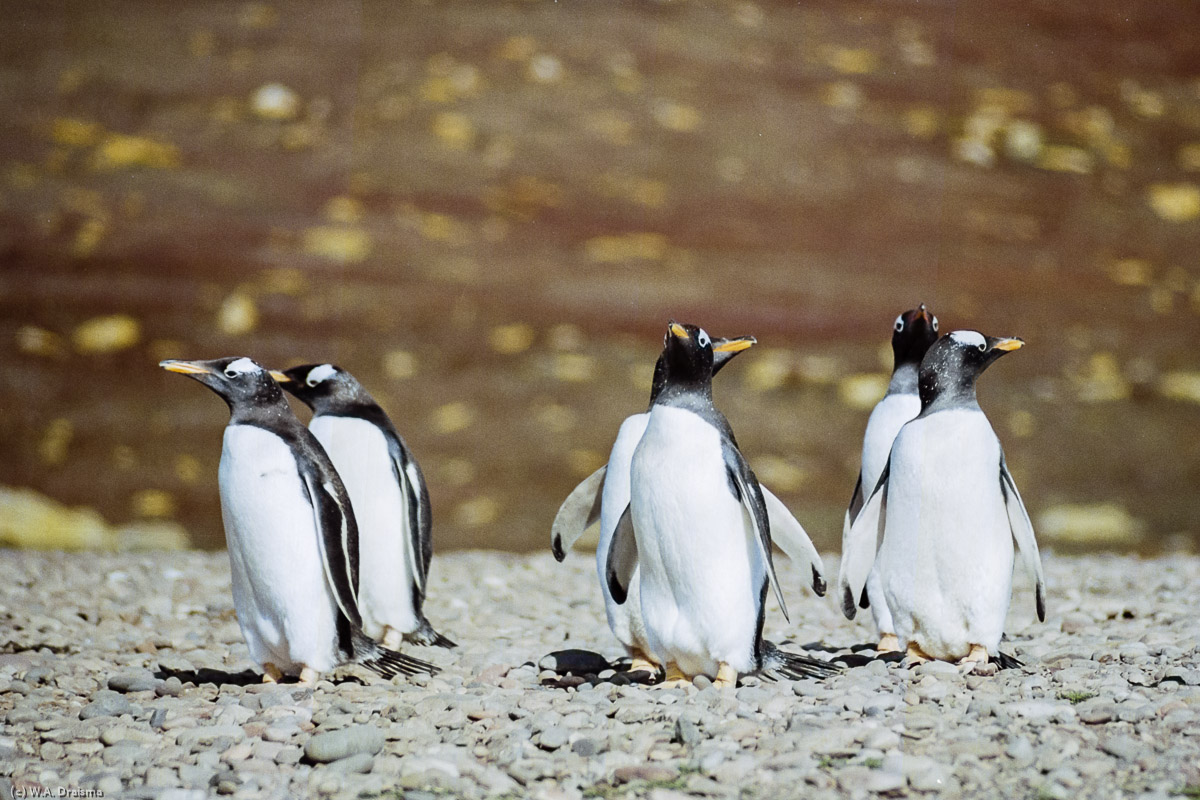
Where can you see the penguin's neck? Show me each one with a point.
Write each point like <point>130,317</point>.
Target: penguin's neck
<point>940,392</point>
<point>267,412</point>
<point>904,378</point>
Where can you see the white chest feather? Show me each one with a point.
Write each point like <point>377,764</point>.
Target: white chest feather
<point>359,452</point>
<point>947,554</point>
<point>285,607</point>
<point>700,569</point>
<point>885,422</point>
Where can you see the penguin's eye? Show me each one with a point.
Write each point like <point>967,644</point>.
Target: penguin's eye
<point>312,382</point>
<point>982,346</point>
<point>899,326</point>
<point>935,324</point>
<point>702,339</point>
<point>229,373</point>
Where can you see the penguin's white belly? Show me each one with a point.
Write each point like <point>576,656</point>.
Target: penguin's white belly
<point>285,607</point>
<point>947,555</point>
<point>701,575</point>
<point>625,619</point>
<point>887,418</point>
<point>360,454</point>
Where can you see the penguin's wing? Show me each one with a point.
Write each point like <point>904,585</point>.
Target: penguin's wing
<point>746,489</point>
<point>858,545</point>
<point>622,558</point>
<point>856,502</point>
<point>579,511</point>
<point>791,537</point>
<point>337,536</point>
<point>419,543</point>
<point>1022,531</point>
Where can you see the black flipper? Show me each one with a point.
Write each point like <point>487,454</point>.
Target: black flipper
<point>384,662</point>
<point>337,532</point>
<point>780,664</point>
<point>749,493</point>
<point>622,558</point>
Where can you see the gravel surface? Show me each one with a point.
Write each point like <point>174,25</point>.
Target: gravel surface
<point>127,674</point>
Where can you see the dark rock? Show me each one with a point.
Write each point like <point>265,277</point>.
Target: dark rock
<point>574,662</point>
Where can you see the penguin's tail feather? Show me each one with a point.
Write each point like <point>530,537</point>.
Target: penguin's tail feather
<point>426,635</point>
<point>1006,661</point>
<point>779,664</point>
<point>384,662</point>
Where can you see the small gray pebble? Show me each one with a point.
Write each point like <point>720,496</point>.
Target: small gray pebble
<point>141,681</point>
<point>334,745</point>
<point>106,703</point>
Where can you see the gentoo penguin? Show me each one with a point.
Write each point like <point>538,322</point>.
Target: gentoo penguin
<point>912,334</point>
<point>391,503</point>
<point>697,529</point>
<point>604,495</point>
<point>290,532</point>
<point>949,511</point>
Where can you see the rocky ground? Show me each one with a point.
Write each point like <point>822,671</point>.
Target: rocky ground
<point>127,674</point>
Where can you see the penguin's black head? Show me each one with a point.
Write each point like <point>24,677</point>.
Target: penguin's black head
<point>723,352</point>
<point>955,361</point>
<point>322,386</point>
<point>912,334</point>
<point>240,381</point>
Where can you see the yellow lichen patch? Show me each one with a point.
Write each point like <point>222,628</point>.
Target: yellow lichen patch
<point>842,95</point>
<point>627,247</point>
<point>88,237</point>
<point>511,339</point>
<point>517,48</point>
<point>150,535</point>
<point>556,418</point>
<point>274,101</point>
<point>72,132</point>
<point>1162,300</point>
<point>187,469</point>
<point>862,391</point>
<point>153,503</point>
<point>524,197</point>
<point>1100,380</point>
<point>545,68</point>
<point>55,442</point>
<point>35,341</point>
<point>108,334</point>
<point>779,473</point>
<point>118,151</point>
<point>476,512</point>
<point>1020,422</point>
<point>567,337</point>
<point>337,244</point>
<point>30,519</point>
<point>573,367</point>
<point>851,60</point>
<point>769,369</point>
<point>1189,156</point>
<point>1180,385</point>
<point>453,418</point>
<point>344,210</point>
<point>454,130</point>
<point>238,314</point>
<point>1098,524</point>
<point>921,122</point>
<point>399,365</point>
<point>1023,140</point>
<point>438,227</point>
<point>1009,101</point>
<point>1131,271</point>
<point>642,191</point>
<point>582,461</point>
<point>677,117</point>
<point>456,472</point>
<point>1175,202</point>
<point>282,280</point>
<point>1064,158</point>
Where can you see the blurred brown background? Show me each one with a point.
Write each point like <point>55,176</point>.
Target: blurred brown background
<point>488,211</point>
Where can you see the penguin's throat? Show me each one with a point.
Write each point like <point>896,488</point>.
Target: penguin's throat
<point>938,392</point>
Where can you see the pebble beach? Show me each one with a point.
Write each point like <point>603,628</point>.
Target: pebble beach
<point>125,675</point>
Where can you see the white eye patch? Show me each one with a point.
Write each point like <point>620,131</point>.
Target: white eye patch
<point>321,373</point>
<point>899,325</point>
<point>242,366</point>
<point>703,339</point>
<point>969,338</point>
<point>935,324</point>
